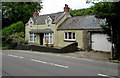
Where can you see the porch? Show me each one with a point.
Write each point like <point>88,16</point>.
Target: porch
<point>41,37</point>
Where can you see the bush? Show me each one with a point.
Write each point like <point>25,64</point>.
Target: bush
<point>18,38</point>
<point>7,39</point>
<point>16,27</point>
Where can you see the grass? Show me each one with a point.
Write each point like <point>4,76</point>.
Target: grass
<point>4,48</point>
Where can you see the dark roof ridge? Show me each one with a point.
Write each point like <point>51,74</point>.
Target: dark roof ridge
<point>51,14</point>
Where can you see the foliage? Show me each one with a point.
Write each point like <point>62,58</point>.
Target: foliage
<point>13,12</point>
<point>8,31</point>
<point>18,38</point>
<point>111,12</point>
<point>81,12</point>
<point>16,27</point>
<point>5,48</point>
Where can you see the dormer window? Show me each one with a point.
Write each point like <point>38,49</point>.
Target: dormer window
<point>31,23</point>
<point>48,21</point>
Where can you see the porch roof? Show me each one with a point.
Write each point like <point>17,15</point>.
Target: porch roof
<point>41,31</point>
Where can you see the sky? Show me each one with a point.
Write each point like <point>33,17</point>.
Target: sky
<point>53,6</point>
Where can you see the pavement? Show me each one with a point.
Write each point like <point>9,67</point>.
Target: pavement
<point>92,55</point>
<point>31,63</point>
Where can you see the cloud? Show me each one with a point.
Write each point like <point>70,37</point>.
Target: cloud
<point>53,6</point>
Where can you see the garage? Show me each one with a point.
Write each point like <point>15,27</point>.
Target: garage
<point>100,42</point>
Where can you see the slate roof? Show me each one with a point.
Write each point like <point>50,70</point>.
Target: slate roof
<point>82,22</point>
<point>54,16</point>
<point>41,31</point>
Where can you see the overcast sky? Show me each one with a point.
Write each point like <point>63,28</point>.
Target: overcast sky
<point>53,6</point>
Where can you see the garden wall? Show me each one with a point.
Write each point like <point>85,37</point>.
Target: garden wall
<point>69,48</point>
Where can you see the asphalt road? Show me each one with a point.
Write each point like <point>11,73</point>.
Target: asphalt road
<point>25,63</point>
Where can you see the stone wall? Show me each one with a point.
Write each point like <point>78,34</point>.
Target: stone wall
<point>87,40</point>
<point>69,48</point>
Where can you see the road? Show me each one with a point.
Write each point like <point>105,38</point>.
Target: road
<point>25,63</point>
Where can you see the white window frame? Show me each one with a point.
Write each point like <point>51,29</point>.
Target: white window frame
<point>31,24</point>
<point>49,34</point>
<point>33,35</point>
<point>50,21</point>
<point>67,39</point>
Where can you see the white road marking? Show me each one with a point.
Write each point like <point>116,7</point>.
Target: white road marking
<point>39,61</point>
<point>21,57</point>
<point>12,55</point>
<point>15,56</point>
<point>105,75</point>
<point>1,53</point>
<point>58,65</point>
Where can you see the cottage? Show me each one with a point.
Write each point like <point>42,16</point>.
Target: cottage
<point>61,29</point>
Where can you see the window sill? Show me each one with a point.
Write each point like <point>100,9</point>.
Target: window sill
<point>48,43</point>
<point>32,41</point>
<point>70,40</point>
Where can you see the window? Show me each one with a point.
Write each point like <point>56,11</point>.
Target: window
<point>48,21</point>
<point>48,37</point>
<point>33,37</point>
<point>69,36</point>
<point>31,24</point>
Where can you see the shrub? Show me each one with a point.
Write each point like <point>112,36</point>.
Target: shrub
<point>18,38</point>
<point>7,39</point>
<point>16,27</point>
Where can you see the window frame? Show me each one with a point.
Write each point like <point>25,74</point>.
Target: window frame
<point>33,36</point>
<point>73,36</point>
<point>48,21</point>
<point>31,24</point>
<point>48,35</point>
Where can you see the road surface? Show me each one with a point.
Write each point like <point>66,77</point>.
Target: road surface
<point>26,63</point>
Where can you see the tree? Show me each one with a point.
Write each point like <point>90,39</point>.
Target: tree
<point>13,12</point>
<point>81,12</point>
<point>111,12</point>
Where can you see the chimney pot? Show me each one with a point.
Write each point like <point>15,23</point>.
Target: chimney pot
<point>66,8</point>
<point>36,13</point>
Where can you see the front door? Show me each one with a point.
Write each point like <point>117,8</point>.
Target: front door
<point>41,38</point>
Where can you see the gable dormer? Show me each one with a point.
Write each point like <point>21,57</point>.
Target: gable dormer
<point>48,21</point>
<point>30,22</point>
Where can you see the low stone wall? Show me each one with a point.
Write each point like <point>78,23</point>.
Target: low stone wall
<point>69,48</point>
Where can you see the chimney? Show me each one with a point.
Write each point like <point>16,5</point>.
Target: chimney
<point>36,13</point>
<point>66,8</point>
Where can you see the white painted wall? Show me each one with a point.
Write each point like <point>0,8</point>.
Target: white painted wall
<point>100,42</point>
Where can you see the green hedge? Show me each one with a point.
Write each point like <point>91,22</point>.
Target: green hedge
<point>16,27</point>
<point>8,31</point>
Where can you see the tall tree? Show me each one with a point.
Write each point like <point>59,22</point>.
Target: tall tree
<point>111,12</point>
<point>81,12</point>
<point>18,11</point>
